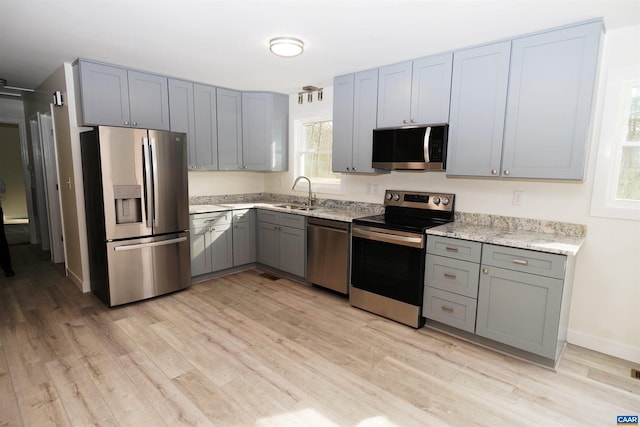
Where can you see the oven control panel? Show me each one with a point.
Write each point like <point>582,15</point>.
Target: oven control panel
<point>419,200</point>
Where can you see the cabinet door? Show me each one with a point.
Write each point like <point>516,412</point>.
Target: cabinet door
<point>229,110</point>
<point>364,119</point>
<point>431,89</point>
<point>182,115</point>
<point>244,248</point>
<point>342,143</point>
<point>394,95</point>
<point>221,247</point>
<point>257,112</point>
<point>206,131</point>
<point>268,244</point>
<point>104,91</point>
<point>293,249</point>
<point>148,100</point>
<point>519,309</point>
<point>200,256</point>
<point>549,106</point>
<point>478,103</point>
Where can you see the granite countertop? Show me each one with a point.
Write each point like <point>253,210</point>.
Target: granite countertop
<point>551,242</point>
<point>338,213</point>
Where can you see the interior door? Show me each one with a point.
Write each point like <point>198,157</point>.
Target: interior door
<point>170,196</point>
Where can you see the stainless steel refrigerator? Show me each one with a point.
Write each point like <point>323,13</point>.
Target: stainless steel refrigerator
<point>137,211</point>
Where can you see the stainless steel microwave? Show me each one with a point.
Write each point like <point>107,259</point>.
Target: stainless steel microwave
<point>411,148</point>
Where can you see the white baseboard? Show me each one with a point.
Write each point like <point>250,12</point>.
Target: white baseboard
<point>601,345</point>
<point>80,284</point>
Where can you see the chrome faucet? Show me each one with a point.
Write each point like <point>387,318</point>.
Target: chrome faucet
<point>294,186</point>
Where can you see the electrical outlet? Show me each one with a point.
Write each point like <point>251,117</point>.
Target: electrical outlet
<point>518,198</point>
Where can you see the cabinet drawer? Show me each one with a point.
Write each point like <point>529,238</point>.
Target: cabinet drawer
<point>449,308</point>
<point>452,275</point>
<point>293,220</point>
<point>269,216</point>
<point>209,219</point>
<point>541,263</point>
<point>242,215</point>
<point>454,248</point>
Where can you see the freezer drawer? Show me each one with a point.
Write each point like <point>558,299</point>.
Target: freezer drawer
<point>144,268</point>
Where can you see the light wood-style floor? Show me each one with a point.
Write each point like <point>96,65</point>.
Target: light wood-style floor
<point>245,350</point>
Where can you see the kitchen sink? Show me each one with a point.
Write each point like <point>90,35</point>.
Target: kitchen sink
<point>294,207</point>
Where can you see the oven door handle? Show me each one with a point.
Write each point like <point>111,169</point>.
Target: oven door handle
<point>414,242</point>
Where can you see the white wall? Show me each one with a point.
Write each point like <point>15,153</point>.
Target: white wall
<point>604,313</point>
<point>220,183</point>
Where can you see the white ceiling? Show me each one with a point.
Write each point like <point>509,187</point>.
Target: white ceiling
<point>225,42</point>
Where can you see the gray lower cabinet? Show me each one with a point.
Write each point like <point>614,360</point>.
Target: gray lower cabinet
<point>516,300</point>
<point>114,96</point>
<point>282,241</point>
<point>244,236</point>
<point>211,242</point>
<point>520,299</point>
<point>451,281</point>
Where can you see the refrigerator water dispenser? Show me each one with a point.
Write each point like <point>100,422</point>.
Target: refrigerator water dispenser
<point>128,200</point>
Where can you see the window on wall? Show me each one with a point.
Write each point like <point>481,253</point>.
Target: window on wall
<point>617,180</point>
<point>314,148</point>
<point>627,184</point>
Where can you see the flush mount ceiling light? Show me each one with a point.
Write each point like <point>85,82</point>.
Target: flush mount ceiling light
<point>286,47</point>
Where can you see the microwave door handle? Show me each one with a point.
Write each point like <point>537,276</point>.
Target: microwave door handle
<point>427,135</point>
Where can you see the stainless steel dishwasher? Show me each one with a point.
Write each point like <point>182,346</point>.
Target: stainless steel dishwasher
<point>328,253</point>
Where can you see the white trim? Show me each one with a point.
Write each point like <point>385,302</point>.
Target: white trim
<point>602,345</point>
<point>603,203</point>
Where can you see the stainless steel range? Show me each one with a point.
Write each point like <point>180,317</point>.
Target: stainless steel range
<point>388,254</point>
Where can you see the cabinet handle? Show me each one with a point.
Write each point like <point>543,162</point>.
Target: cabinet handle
<point>126,123</point>
<point>447,309</point>
<point>506,172</point>
<point>134,124</point>
<point>413,121</point>
<point>485,270</point>
<point>405,121</point>
<point>520,261</point>
<point>494,171</point>
<point>450,249</point>
<point>449,276</point>
<point>353,169</point>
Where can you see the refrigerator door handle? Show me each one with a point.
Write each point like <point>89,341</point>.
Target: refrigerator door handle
<point>148,186</point>
<point>154,166</point>
<point>149,245</point>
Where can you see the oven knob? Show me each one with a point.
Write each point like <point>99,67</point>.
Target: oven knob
<point>436,200</point>
<point>445,201</point>
<point>389,196</point>
<point>396,197</point>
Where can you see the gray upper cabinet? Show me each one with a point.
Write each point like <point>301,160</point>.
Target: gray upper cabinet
<point>115,96</point>
<point>206,130</point>
<point>549,103</point>
<point>354,115</point>
<point>182,114</point>
<point>478,104</point>
<point>148,100</point>
<point>229,110</point>
<point>540,129</point>
<point>415,92</point>
<point>265,131</point>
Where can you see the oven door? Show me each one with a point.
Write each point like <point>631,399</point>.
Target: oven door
<point>391,265</point>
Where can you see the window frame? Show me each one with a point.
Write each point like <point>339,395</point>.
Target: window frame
<point>612,138</point>
<point>318,186</point>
